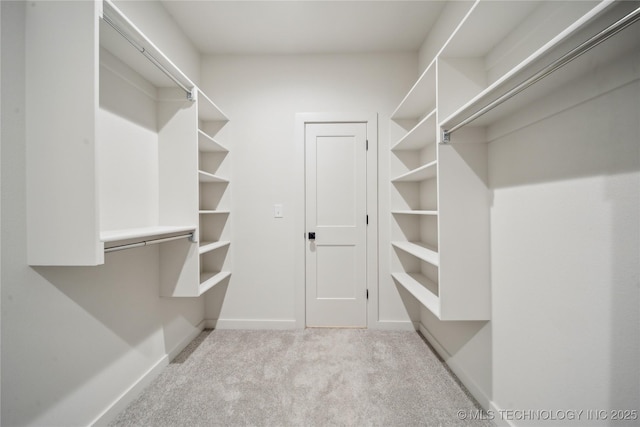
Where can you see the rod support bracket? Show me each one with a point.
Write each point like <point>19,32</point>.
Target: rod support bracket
<point>446,137</point>
<point>190,96</point>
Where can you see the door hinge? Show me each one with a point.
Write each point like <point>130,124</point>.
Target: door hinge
<point>367,219</point>
<point>367,293</point>
<point>367,145</point>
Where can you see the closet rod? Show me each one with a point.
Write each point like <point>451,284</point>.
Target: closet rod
<point>147,55</point>
<point>149,242</point>
<point>584,47</point>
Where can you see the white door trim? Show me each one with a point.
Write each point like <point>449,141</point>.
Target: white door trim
<point>371,119</point>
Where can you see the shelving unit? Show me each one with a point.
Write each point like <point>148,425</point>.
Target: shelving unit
<point>130,161</point>
<point>567,28</point>
<point>214,228</point>
<point>439,192</point>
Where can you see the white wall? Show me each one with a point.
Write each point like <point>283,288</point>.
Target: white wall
<point>565,232</point>
<point>73,339</point>
<point>261,95</point>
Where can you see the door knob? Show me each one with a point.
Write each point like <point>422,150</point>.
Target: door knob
<point>312,236</point>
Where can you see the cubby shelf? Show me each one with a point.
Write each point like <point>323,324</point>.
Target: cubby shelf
<point>420,250</point>
<point>209,177</point>
<point>209,144</point>
<point>423,134</point>
<point>208,111</point>
<point>422,173</point>
<point>214,212</point>
<point>212,246</point>
<point>415,212</point>
<point>208,280</point>
<point>423,289</point>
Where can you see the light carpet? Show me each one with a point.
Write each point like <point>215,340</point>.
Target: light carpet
<point>312,377</point>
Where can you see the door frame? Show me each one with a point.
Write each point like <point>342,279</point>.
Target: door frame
<point>301,120</point>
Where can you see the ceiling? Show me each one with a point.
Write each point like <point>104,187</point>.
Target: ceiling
<point>304,27</point>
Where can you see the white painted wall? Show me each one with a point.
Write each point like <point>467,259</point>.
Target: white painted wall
<point>261,95</point>
<point>73,339</point>
<point>565,232</point>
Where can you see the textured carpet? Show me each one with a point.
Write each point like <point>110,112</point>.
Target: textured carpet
<point>313,377</point>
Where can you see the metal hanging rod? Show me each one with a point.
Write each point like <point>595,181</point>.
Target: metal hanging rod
<point>147,55</point>
<point>149,242</point>
<point>584,47</point>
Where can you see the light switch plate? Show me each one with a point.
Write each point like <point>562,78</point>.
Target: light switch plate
<point>277,211</point>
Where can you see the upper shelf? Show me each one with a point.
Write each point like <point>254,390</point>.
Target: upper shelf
<point>571,36</point>
<point>115,42</point>
<point>421,99</point>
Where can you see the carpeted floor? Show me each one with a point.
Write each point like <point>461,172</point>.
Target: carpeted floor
<point>313,377</point>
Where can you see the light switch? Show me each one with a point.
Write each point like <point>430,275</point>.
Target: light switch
<point>277,211</point>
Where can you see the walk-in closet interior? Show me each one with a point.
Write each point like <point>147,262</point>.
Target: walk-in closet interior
<point>155,172</point>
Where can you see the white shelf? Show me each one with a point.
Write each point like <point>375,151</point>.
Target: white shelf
<point>486,25</point>
<point>423,289</point>
<point>208,177</point>
<point>213,212</point>
<point>208,144</point>
<point>208,110</point>
<point>415,212</point>
<point>420,99</point>
<point>209,280</point>
<point>212,246</point>
<point>517,74</point>
<point>115,43</point>
<point>143,232</point>
<point>419,250</point>
<point>423,134</point>
<point>422,173</point>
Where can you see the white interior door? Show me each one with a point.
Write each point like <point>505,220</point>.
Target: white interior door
<point>336,201</point>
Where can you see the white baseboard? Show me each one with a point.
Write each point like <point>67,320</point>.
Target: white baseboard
<point>464,378</point>
<point>497,419</point>
<point>393,325</point>
<point>130,394</point>
<point>277,324</point>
